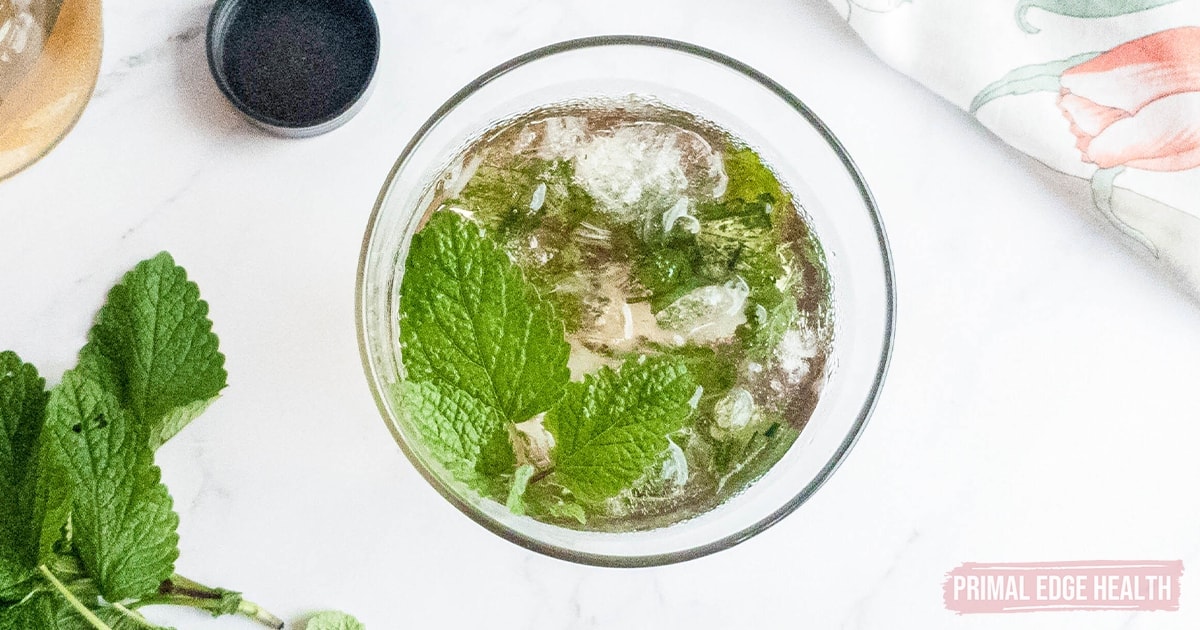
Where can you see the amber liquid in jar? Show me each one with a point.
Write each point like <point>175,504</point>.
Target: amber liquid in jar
<point>49,60</point>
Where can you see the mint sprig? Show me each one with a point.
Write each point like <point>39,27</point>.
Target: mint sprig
<point>483,350</point>
<point>88,535</point>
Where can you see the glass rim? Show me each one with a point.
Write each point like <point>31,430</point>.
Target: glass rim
<point>856,428</point>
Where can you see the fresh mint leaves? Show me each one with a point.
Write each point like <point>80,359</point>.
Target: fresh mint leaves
<point>613,426</point>
<point>467,435</point>
<point>88,534</point>
<point>153,345</point>
<point>50,610</point>
<point>22,409</point>
<point>750,180</point>
<point>122,521</point>
<point>484,350</point>
<point>470,320</point>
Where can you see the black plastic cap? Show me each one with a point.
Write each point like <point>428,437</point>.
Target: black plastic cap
<point>296,68</point>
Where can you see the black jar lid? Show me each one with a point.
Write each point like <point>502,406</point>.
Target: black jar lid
<point>294,67</point>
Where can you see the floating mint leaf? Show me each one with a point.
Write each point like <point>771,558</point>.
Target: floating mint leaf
<point>153,345</point>
<point>465,434</point>
<point>749,179</point>
<point>612,427</point>
<point>122,521</point>
<point>469,318</point>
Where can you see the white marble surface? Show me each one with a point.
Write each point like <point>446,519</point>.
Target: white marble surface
<point>1042,401</point>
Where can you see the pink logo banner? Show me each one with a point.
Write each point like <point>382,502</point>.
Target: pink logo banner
<point>976,587</point>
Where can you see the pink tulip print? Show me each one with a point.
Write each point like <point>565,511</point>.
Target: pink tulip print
<point>1138,105</point>
<point>1109,98</point>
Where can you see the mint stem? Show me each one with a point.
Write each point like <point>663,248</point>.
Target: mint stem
<point>249,609</point>
<point>180,591</point>
<point>540,475</point>
<point>75,603</point>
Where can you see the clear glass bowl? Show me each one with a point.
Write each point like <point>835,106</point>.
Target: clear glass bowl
<point>752,107</point>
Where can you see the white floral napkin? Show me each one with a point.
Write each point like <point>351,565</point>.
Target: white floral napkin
<point>1106,91</point>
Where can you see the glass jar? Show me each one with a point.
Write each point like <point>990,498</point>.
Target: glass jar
<point>49,61</point>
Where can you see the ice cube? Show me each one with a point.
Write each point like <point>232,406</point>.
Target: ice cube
<point>704,168</point>
<point>532,443</point>
<point>709,313</point>
<point>634,171</point>
<point>539,197</point>
<point>795,350</point>
<point>611,319</point>
<point>557,137</point>
<point>629,168</point>
<point>674,468</point>
<point>735,410</point>
<point>680,214</point>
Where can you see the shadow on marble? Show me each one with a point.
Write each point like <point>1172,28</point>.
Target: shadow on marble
<point>203,103</point>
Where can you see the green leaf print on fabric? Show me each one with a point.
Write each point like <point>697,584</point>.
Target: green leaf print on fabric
<point>1083,9</point>
<point>1102,194</point>
<point>877,6</point>
<point>1040,77</point>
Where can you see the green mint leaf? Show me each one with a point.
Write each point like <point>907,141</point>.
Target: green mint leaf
<point>516,503</point>
<point>47,609</point>
<point>609,429</point>
<point>153,344</point>
<point>766,329</point>
<point>333,620</point>
<point>469,318</point>
<point>731,246</point>
<point>749,179</point>
<point>42,611</point>
<point>524,193</point>
<point>28,504</point>
<point>122,522</point>
<point>465,434</point>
